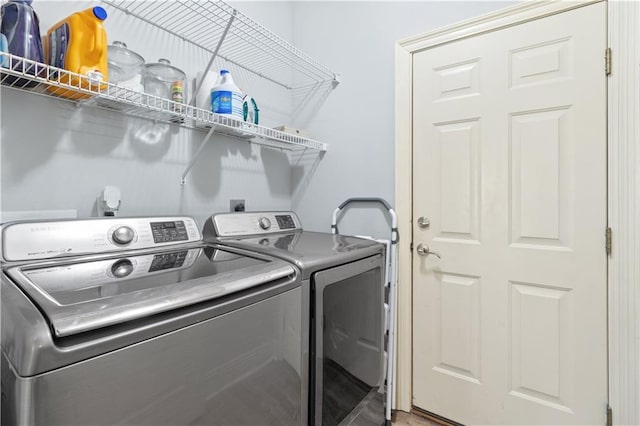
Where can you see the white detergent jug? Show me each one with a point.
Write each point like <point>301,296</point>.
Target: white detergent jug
<point>226,97</point>
<point>202,99</point>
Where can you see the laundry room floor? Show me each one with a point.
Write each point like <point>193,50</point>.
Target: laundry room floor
<point>407,419</point>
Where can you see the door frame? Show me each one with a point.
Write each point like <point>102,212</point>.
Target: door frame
<point>623,110</point>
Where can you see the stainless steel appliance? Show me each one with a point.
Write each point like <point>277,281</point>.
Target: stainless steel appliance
<point>342,289</point>
<point>138,321</point>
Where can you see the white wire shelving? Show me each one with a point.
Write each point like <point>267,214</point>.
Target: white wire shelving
<point>34,77</point>
<point>225,32</point>
<point>216,28</point>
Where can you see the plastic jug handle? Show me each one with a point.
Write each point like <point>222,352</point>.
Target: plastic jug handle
<point>99,41</point>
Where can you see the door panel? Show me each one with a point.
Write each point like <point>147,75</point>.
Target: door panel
<point>457,347</point>
<point>456,147</point>
<point>540,166</point>
<point>509,148</point>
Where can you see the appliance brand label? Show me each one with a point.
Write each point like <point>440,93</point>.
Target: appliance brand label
<point>45,228</point>
<point>221,102</point>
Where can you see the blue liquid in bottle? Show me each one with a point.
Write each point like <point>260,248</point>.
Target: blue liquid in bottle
<point>21,27</point>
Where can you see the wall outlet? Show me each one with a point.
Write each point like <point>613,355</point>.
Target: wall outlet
<point>236,205</point>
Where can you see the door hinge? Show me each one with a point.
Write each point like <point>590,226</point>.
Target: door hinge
<point>607,61</point>
<point>609,416</point>
<point>608,241</point>
<point>411,246</point>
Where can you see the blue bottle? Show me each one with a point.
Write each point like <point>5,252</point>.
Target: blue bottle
<point>4,61</point>
<point>21,27</point>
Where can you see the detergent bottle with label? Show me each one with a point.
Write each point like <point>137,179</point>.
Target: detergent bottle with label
<point>226,97</point>
<point>78,43</point>
<point>20,33</point>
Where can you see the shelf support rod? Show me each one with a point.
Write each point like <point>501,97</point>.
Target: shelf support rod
<point>197,154</point>
<point>213,57</point>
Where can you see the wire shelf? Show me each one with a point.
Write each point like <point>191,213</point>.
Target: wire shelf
<point>34,77</point>
<point>246,43</point>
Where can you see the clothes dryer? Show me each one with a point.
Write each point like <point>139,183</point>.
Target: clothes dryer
<point>342,289</point>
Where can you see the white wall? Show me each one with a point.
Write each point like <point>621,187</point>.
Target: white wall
<point>357,120</point>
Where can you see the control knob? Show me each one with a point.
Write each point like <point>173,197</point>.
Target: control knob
<point>264,242</point>
<point>123,235</point>
<point>264,223</point>
<point>122,268</point>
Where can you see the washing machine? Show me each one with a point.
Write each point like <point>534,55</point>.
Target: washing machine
<point>138,321</point>
<point>343,309</point>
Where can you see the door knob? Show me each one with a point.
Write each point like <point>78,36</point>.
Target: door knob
<point>423,250</point>
<point>423,222</point>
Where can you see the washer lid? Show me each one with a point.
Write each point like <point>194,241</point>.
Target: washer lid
<point>78,296</point>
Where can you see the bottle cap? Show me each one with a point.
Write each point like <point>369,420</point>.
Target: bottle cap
<point>100,13</point>
<point>223,72</point>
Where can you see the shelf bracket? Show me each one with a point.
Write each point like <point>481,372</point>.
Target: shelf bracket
<point>214,55</point>
<point>337,78</point>
<point>197,154</point>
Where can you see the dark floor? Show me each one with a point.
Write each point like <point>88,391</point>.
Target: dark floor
<point>342,393</point>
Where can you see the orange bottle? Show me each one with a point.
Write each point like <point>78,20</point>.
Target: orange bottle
<point>78,43</point>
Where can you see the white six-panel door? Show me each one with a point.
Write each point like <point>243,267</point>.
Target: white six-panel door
<point>509,148</point>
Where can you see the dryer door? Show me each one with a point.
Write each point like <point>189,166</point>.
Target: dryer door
<point>348,327</point>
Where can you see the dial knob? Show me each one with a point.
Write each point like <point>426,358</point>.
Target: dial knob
<point>264,223</point>
<point>123,235</point>
<point>122,268</point>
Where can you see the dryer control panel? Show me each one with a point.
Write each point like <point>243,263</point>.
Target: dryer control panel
<point>250,223</point>
<point>52,239</point>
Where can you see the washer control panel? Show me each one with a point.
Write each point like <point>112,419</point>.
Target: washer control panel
<point>250,223</point>
<point>44,240</point>
<point>165,232</point>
